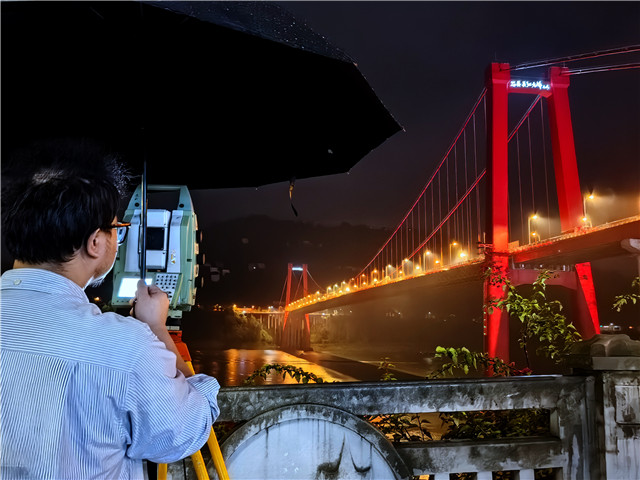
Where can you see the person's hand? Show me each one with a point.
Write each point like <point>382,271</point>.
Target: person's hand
<point>150,305</point>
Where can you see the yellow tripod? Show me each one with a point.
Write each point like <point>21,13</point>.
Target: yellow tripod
<point>212,442</point>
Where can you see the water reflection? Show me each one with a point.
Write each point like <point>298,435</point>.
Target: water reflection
<point>231,367</point>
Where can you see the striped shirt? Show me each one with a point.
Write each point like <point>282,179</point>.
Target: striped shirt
<point>86,394</point>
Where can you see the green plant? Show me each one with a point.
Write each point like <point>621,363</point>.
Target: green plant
<point>542,319</point>
<point>400,427</point>
<point>385,365</point>
<point>487,424</point>
<point>495,423</point>
<point>626,298</point>
<point>465,360</point>
<point>297,373</point>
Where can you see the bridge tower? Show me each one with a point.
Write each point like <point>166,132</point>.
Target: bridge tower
<point>499,85</point>
<point>298,335</point>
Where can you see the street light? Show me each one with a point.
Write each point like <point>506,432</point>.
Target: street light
<point>427,254</point>
<point>534,235</point>
<point>454,244</point>
<point>409,265</point>
<point>585,218</point>
<point>387,270</point>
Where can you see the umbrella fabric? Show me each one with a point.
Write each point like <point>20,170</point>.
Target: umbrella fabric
<point>212,94</point>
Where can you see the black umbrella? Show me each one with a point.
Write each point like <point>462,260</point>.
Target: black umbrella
<point>213,94</point>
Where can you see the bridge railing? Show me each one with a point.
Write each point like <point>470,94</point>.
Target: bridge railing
<point>318,430</point>
<point>569,449</point>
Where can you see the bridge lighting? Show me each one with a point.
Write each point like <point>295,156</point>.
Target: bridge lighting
<point>462,254</point>
<point>585,219</point>
<point>532,235</point>
<point>453,244</point>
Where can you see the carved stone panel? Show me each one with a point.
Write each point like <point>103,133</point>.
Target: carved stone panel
<point>310,442</point>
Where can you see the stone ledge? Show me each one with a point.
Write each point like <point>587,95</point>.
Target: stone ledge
<point>615,363</point>
<point>606,352</point>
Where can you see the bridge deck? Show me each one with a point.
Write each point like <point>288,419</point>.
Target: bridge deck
<point>586,245</point>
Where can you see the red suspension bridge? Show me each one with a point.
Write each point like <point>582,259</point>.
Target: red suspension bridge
<point>490,202</point>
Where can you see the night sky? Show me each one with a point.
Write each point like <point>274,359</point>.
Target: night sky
<point>426,62</point>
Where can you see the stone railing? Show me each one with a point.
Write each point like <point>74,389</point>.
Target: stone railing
<point>316,431</point>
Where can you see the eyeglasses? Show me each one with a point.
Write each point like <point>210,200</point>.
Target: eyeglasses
<point>121,229</point>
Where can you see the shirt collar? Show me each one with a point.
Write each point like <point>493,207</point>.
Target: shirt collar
<point>39,280</point>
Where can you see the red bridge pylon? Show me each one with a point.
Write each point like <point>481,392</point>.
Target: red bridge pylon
<point>499,85</point>
<point>298,334</point>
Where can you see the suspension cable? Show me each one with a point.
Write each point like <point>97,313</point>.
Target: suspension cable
<point>520,184</point>
<point>546,178</point>
<point>451,212</point>
<point>314,280</point>
<point>608,68</point>
<point>574,58</point>
<point>284,287</point>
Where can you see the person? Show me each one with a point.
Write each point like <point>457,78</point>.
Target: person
<point>85,394</point>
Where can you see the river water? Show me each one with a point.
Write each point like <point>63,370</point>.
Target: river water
<point>335,363</point>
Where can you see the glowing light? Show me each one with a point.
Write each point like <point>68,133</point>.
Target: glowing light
<point>535,84</point>
<point>532,235</point>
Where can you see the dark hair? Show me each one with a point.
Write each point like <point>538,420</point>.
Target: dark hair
<point>57,197</point>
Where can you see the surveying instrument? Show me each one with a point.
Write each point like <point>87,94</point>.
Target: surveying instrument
<point>169,251</point>
<point>162,247</point>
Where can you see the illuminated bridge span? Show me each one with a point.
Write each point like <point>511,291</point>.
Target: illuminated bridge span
<point>491,202</point>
